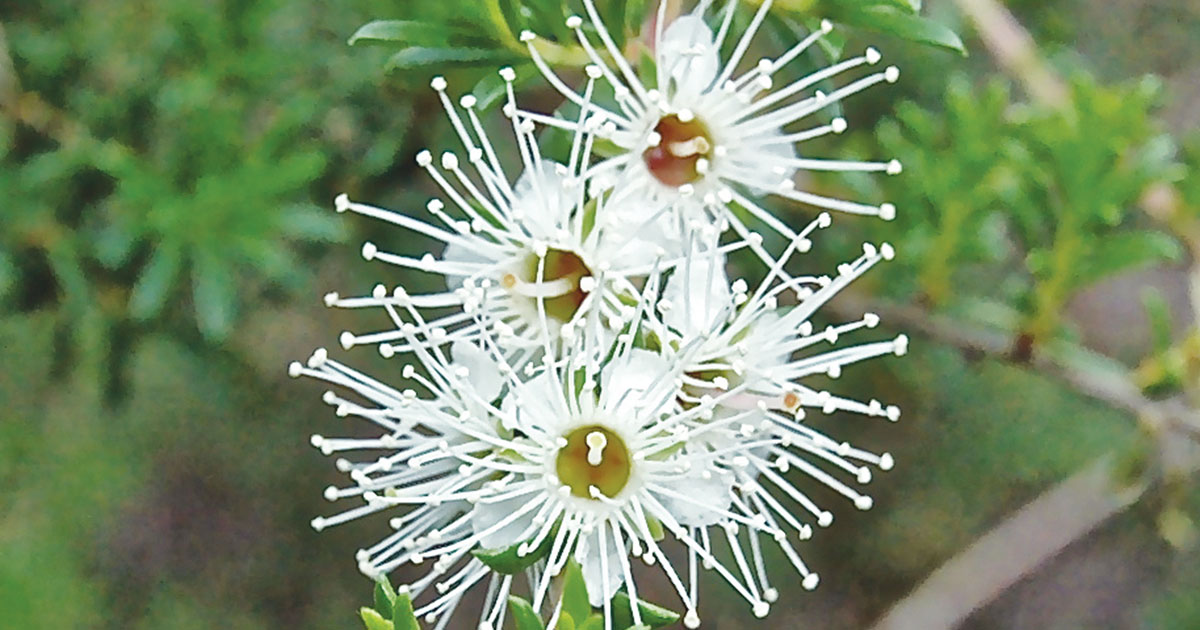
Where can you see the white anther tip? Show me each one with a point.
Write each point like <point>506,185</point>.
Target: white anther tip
<point>528,36</point>
<point>886,462</point>
<point>826,26</point>
<point>295,369</point>
<point>895,167</point>
<point>887,212</point>
<point>574,21</point>
<point>369,250</point>
<point>341,203</point>
<point>508,74</point>
<point>873,56</point>
<point>691,620</point>
<point>892,74</point>
<point>438,83</point>
<point>811,581</point>
<point>424,158</point>
<point>761,609</point>
<point>864,503</point>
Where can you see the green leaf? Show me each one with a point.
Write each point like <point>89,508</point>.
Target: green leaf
<point>214,291</point>
<point>894,21</point>
<point>524,616</point>
<point>653,616</point>
<point>1123,252</point>
<point>385,597</point>
<point>403,617</point>
<point>508,561</point>
<point>595,622</point>
<point>402,31</point>
<point>373,620</point>
<point>420,57</point>
<point>8,274</point>
<point>575,596</point>
<point>154,285</point>
<point>1159,314</point>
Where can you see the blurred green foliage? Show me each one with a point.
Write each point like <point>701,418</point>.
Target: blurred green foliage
<point>165,173</point>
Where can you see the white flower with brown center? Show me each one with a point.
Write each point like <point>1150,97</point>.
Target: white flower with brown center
<point>768,353</point>
<point>537,254</point>
<point>704,132</point>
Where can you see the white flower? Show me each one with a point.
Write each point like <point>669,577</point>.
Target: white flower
<point>700,135</point>
<point>745,342</point>
<point>583,458</point>
<point>441,456</point>
<point>537,255</point>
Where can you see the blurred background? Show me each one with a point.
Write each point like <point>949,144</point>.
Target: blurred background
<point>167,170</point>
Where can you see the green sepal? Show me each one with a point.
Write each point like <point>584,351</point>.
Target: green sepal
<point>524,616</point>
<point>595,622</point>
<point>403,617</point>
<point>574,595</point>
<point>385,596</point>
<point>373,620</point>
<point>652,616</point>
<point>506,560</point>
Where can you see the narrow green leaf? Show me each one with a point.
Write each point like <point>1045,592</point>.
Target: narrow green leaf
<point>403,617</point>
<point>8,274</point>
<point>1159,314</point>
<point>401,31</point>
<point>214,292</point>
<point>898,22</point>
<point>420,56</point>
<point>524,616</point>
<point>653,616</point>
<point>1124,252</point>
<point>155,282</point>
<point>575,596</point>
<point>373,620</point>
<point>508,561</point>
<point>385,597</point>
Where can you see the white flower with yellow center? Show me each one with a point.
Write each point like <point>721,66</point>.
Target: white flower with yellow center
<point>749,344</point>
<point>583,458</point>
<point>536,254</point>
<point>703,133</point>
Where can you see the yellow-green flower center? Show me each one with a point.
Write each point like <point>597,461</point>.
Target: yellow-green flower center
<point>560,286</point>
<point>594,456</point>
<point>675,160</point>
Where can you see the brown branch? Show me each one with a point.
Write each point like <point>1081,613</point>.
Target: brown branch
<point>1065,513</point>
<point>1014,49</point>
<point>1113,386</point>
<point>1020,544</point>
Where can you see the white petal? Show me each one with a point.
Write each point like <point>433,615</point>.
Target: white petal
<point>689,54</point>
<point>486,515</point>
<point>624,381</point>
<point>482,372</point>
<point>543,199</point>
<point>707,498</point>
<point>462,254</point>
<point>699,292</point>
<point>537,402</point>
<point>589,561</point>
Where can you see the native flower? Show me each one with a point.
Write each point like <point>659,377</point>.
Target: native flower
<point>537,254</point>
<point>579,457</point>
<point>699,135</point>
<point>749,344</point>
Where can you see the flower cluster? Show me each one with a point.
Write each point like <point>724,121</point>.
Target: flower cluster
<point>591,382</point>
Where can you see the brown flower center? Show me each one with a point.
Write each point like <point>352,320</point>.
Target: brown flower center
<point>675,161</point>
